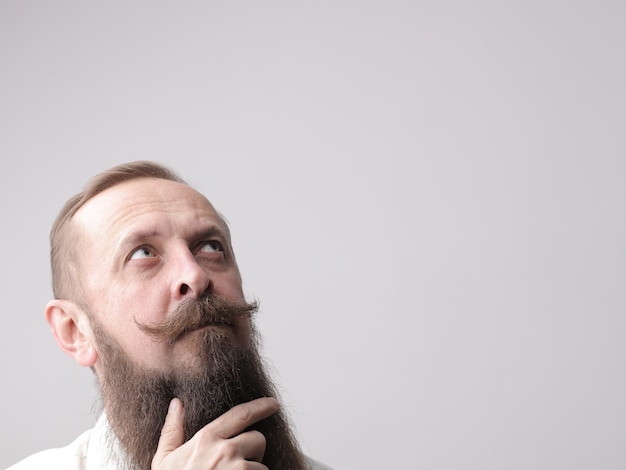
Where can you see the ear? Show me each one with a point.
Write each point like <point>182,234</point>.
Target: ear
<point>70,326</point>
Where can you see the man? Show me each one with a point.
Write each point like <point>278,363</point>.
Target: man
<point>149,296</point>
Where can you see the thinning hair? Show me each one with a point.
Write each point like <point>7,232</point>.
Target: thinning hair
<point>64,238</point>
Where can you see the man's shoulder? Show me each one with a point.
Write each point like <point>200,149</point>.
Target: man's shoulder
<point>74,457</point>
<point>315,465</point>
<point>70,457</point>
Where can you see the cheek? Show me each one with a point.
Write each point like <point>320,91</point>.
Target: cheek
<point>229,287</point>
<point>149,308</point>
<point>128,305</point>
<point>119,305</point>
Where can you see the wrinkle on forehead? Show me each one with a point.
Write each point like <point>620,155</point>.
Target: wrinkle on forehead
<point>116,206</point>
<point>163,206</point>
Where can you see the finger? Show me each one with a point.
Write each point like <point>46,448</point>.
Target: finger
<point>250,445</point>
<point>255,466</point>
<point>172,433</point>
<point>238,418</point>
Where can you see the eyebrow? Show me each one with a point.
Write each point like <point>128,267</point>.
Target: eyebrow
<point>139,236</point>
<point>209,231</point>
<point>136,236</point>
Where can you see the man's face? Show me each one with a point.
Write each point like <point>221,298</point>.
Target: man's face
<point>147,245</point>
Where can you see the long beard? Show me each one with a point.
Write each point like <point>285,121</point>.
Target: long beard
<point>136,400</point>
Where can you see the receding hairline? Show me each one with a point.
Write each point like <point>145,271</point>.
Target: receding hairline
<point>65,236</point>
<point>119,196</point>
<point>111,178</point>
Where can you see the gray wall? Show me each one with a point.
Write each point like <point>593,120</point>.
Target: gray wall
<point>428,198</point>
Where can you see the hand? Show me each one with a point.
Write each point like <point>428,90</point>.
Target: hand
<point>221,444</point>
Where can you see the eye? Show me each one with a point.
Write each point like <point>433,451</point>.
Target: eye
<point>141,253</point>
<point>211,246</point>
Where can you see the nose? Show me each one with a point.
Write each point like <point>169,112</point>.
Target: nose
<point>190,279</point>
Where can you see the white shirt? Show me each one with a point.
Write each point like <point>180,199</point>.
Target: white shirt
<point>94,449</point>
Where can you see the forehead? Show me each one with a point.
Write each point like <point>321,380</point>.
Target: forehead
<point>143,202</point>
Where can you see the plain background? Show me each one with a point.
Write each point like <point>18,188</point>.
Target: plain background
<point>428,198</point>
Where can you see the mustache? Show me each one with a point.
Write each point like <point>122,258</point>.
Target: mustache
<point>193,314</point>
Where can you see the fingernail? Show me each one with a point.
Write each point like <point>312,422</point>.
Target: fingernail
<point>174,404</point>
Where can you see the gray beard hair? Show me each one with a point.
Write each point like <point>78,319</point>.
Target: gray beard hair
<point>136,400</point>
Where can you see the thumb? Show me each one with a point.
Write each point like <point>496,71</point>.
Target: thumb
<point>172,434</point>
